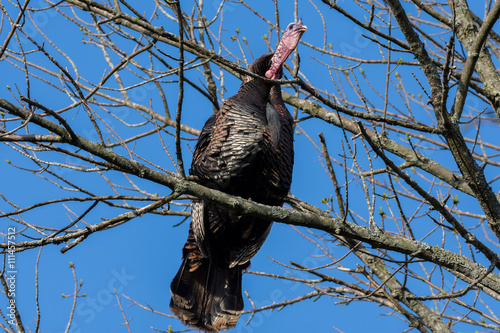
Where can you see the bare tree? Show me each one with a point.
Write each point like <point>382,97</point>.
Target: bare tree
<point>405,116</point>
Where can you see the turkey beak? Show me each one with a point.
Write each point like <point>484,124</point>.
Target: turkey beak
<point>301,28</point>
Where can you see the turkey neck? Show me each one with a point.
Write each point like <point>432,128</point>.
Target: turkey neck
<point>256,85</point>
<point>275,97</point>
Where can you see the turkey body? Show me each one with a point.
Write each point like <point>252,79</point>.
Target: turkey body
<point>245,149</point>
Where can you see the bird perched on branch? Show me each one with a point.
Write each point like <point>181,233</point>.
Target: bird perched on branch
<point>245,149</point>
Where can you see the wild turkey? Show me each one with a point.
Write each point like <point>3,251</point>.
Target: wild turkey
<point>245,149</point>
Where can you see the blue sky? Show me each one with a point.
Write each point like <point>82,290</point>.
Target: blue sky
<point>140,258</point>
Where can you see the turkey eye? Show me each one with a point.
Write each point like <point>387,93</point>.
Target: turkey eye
<point>290,26</point>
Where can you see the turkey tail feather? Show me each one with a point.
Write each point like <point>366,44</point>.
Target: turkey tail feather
<point>207,297</point>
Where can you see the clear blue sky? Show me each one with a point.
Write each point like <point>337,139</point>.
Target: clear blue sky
<point>140,258</point>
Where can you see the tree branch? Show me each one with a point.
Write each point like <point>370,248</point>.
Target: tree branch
<point>474,52</point>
